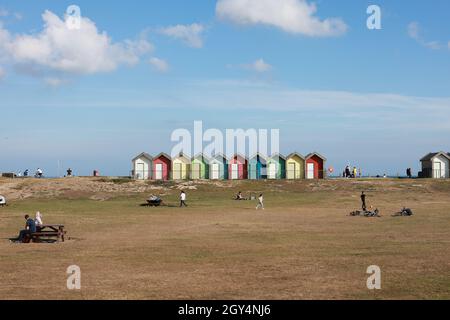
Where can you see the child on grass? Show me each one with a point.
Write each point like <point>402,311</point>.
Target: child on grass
<point>260,202</point>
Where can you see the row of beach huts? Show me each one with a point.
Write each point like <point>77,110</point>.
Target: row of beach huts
<point>237,167</point>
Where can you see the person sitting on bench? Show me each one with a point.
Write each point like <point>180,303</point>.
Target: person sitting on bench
<point>38,221</point>
<point>30,227</point>
<point>239,196</point>
<point>371,212</point>
<point>153,198</point>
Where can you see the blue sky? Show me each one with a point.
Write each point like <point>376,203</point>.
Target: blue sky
<point>377,99</point>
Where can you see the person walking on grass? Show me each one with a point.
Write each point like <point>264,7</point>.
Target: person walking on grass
<point>363,201</point>
<point>183,199</point>
<point>260,204</point>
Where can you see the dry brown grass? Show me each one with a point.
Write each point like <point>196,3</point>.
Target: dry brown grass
<point>303,246</point>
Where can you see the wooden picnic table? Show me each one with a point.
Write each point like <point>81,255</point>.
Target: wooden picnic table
<point>49,231</point>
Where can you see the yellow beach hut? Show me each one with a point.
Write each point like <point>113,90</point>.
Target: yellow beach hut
<point>295,166</point>
<point>181,167</point>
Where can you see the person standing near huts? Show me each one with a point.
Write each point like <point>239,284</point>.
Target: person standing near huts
<point>260,204</point>
<point>347,172</point>
<point>183,199</point>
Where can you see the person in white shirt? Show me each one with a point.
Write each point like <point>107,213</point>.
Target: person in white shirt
<point>39,173</point>
<point>260,202</point>
<point>38,219</point>
<point>183,199</point>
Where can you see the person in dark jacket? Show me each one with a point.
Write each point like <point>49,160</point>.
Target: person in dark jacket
<point>30,227</point>
<point>363,201</point>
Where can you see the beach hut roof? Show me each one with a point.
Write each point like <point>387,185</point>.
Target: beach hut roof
<point>239,155</point>
<point>316,154</point>
<point>143,155</point>
<point>258,155</point>
<point>293,154</point>
<point>182,155</point>
<point>201,156</point>
<point>431,155</point>
<point>219,156</point>
<point>162,154</point>
<point>277,155</point>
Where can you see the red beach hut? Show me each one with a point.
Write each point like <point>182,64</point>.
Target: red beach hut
<point>237,168</point>
<point>315,164</point>
<point>162,166</point>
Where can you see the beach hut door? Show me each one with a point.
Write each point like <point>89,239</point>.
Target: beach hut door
<point>140,172</point>
<point>439,170</point>
<point>159,171</point>
<point>234,171</point>
<point>272,171</point>
<point>215,171</point>
<point>291,171</point>
<point>196,171</point>
<point>177,171</point>
<point>310,171</point>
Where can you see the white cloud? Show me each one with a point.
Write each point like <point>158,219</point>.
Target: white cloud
<point>259,66</point>
<point>159,64</point>
<point>189,34</point>
<point>60,49</point>
<point>414,32</point>
<point>5,13</point>
<point>264,95</point>
<point>294,16</point>
<point>54,81</point>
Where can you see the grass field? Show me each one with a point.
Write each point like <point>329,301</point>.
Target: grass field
<point>303,246</point>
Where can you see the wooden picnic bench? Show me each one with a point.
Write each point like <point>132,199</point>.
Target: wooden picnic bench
<point>48,231</point>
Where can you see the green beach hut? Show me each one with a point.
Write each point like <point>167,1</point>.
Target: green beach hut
<point>276,166</point>
<point>200,167</point>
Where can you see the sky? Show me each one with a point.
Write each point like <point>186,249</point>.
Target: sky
<point>135,71</point>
